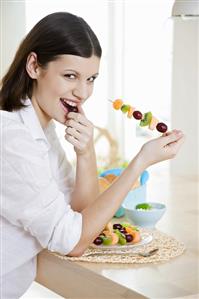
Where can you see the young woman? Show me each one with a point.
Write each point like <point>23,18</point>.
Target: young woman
<point>44,205</point>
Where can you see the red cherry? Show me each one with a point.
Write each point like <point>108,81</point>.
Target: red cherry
<point>161,127</point>
<point>137,114</point>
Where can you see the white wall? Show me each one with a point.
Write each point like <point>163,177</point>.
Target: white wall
<point>184,107</point>
<point>12,16</point>
<point>185,94</point>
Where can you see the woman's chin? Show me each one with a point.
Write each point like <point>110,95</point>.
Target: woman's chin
<point>60,119</point>
<point>63,121</point>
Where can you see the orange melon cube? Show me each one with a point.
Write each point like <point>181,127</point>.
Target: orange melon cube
<point>103,184</point>
<point>117,104</point>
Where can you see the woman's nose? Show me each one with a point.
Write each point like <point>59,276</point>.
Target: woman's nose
<point>81,91</point>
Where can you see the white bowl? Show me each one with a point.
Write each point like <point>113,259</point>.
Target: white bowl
<point>145,218</point>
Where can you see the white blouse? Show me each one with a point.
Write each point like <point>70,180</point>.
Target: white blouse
<point>35,186</point>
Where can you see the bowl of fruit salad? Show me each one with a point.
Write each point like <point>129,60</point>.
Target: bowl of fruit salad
<point>124,234</point>
<point>145,214</point>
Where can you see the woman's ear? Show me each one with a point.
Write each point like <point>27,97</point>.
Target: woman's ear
<point>32,67</point>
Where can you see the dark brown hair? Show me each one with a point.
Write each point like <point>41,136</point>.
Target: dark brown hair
<point>56,34</point>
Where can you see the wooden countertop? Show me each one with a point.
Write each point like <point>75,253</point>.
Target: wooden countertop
<point>177,278</point>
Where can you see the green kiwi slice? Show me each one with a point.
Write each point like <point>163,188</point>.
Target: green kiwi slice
<point>145,121</point>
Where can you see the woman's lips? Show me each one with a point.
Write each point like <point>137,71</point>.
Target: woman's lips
<point>63,107</point>
<point>68,108</point>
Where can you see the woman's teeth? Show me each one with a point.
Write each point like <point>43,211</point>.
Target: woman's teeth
<point>68,102</point>
<point>71,106</point>
<point>71,103</point>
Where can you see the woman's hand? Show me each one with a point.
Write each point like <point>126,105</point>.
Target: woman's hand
<point>162,148</point>
<point>79,131</point>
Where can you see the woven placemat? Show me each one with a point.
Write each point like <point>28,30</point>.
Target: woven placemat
<point>168,247</point>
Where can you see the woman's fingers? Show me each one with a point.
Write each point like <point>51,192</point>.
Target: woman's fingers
<point>171,137</point>
<point>176,144</point>
<point>169,132</point>
<point>76,125</point>
<point>75,142</point>
<point>78,117</point>
<point>162,148</point>
<point>79,141</point>
<point>79,131</point>
<point>73,132</point>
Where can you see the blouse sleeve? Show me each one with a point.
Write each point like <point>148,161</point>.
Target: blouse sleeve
<point>63,171</point>
<point>31,196</point>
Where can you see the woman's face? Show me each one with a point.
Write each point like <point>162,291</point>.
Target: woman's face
<point>68,79</point>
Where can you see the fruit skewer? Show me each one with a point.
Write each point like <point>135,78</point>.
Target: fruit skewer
<point>146,119</point>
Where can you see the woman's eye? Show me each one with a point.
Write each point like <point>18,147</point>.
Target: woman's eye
<point>91,79</point>
<point>70,76</point>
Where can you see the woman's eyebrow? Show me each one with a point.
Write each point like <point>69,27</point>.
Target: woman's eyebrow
<point>95,75</point>
<point>71,70</point>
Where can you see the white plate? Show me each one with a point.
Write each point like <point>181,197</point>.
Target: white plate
<point>145,239</point>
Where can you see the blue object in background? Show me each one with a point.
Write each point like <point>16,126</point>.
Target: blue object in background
<point>120,212</point>
<point>115,171</point>
<point>144,177</point>
<point>138,195</point>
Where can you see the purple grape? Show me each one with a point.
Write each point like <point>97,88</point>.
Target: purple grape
<point>73,109</point>
<point>129,237</point>
<point>117,226</point>
<point>123,230</point>
<point>161,127</point>
<point>137,114</point>
<point>98,241</point>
